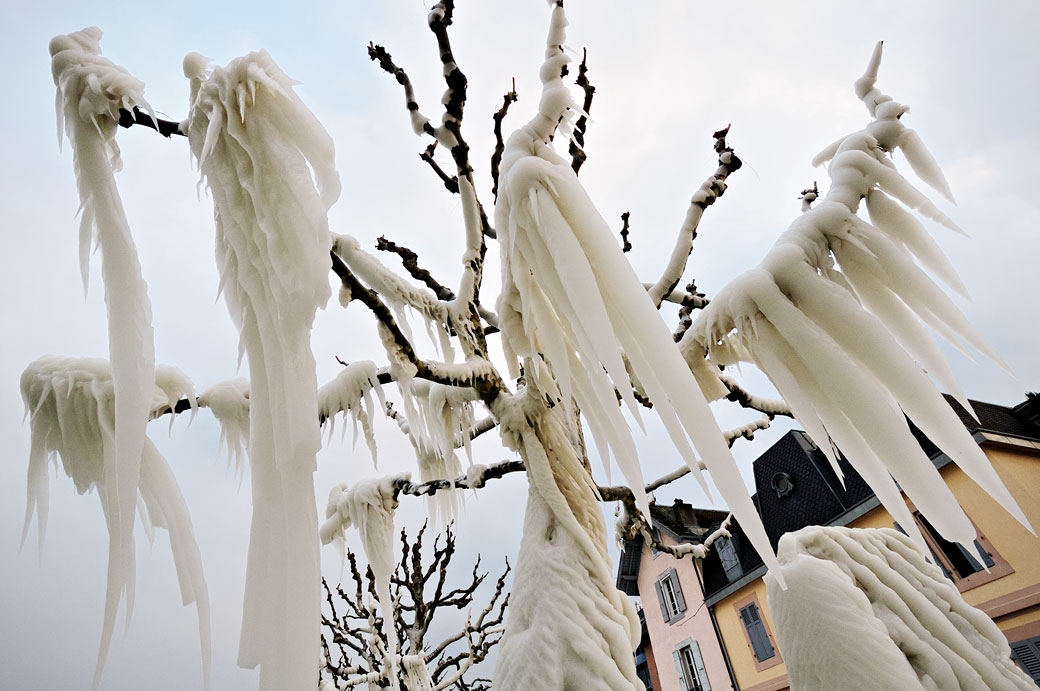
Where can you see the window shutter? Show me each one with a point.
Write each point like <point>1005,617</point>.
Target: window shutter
<point>702,674</point>
<point>756,630</point>
<point>678,670</point>
<point>1027,654</point>
<point>660,598</point>
<point>678,591</point>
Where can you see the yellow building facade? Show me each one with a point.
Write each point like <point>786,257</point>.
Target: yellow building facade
<point>1006,586</point>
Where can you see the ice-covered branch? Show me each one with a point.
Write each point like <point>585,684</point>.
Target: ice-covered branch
<point>576,148</point>
<point>709,191</point>
<point>770,406</point>
<point>451,182</point>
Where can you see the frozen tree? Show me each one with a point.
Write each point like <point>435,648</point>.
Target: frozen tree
<point>836,315</point>
<point>352,639</point>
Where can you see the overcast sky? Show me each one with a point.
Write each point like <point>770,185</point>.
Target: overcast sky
<point>667,74</point>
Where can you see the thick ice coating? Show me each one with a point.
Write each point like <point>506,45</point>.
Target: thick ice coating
<point>848,349</point>
<point>571,304</point>
<point>268,164</point>
<point>70,403</point>
<point>345,393</point>
<point>91,91</point>
<point>868,594</point>
<point>229,403</point>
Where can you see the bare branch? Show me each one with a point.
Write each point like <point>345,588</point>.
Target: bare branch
<point>137,116</point>
<point>577,145</point>
<point>410,260</point>
<point>451,183</point>
<point>626,246</point>
<point>500,146</point>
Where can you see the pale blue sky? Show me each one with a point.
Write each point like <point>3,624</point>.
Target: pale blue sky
<point>668,75</point>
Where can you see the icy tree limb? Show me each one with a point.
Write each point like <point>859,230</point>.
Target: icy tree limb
<point>576,147</point>
<point>770,406</point>
<point>710,190</point>
<point>500,146</point>
<point>488,384</point>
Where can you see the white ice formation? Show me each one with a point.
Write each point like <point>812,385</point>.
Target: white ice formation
<point>91,91</point>
<point>71,406</point>
<point>848,349</point>
<point>866,594</point>
<point>569,627</point>
<point>571,304</point>
<point>368,505</point>
<point>269,166</point>
<point>229,403</point>
<point>345,393</point>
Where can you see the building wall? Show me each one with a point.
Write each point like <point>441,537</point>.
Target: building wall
<point>695,623</point>
<point>770,674</point>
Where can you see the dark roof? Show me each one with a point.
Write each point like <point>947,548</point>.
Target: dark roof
<point>818,498</point>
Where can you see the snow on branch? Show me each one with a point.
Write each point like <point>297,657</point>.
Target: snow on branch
<point>709,191</point>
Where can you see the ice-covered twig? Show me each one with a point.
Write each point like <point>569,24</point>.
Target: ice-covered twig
<point>468,480</point>
<point>709,191</point>
<point>577,145</point>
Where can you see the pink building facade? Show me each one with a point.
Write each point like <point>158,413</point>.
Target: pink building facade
<point>680,649</point>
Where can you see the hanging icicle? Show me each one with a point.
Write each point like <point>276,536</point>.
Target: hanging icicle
<point>269,166</point>
<point>847,348</point>
<point>91,91</point>
<point>71,405</point>
<point>571,304</point>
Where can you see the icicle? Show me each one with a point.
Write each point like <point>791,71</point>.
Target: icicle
<point>571,297</point>
<point>71,404</point>
<point>805,325</point>
<point>91,91</point>
<point>269,166</point>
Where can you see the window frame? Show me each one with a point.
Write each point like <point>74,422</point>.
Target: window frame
<point>673,608</point>
<point>689,665</point>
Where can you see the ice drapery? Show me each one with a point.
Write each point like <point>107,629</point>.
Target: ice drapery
<point>268,164</point>
<point>868,594</point>
<point>569,627</point>
<point>229,403</point>
<point>345,393</point>
<point>91,90</point>
<point>368,505</point>
<point>571,304</point>
<point>71,406</point>
<point>848,349</point>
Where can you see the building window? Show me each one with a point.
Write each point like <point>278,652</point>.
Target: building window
<point>782,484</point>
<point>690,666</point>
<point>669,593</point>
<point>1027,654</point>
<point>728,556</point>
<point>961,562</point>
<point>761,646</point>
